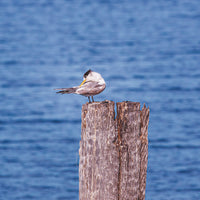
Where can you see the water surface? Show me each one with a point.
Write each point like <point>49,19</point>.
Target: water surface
<point>147,51</point>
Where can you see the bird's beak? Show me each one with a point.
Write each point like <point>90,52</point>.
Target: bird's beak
<point>82,83</point>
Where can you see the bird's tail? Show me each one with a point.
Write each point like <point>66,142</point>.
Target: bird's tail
<point>66,90</point>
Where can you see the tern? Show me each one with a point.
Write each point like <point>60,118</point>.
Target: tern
<point>92,84</point>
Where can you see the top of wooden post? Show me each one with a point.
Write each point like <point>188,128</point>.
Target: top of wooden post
<point>133,105</point>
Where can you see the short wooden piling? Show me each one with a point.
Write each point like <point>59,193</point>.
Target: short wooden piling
<point>113,152</point>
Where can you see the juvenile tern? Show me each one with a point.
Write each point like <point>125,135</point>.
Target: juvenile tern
<point>92,84</point>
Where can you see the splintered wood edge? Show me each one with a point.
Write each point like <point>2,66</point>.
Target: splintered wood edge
<point>144,116</point>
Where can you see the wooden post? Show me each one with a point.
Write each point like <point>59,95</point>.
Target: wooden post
<point>113,152</point>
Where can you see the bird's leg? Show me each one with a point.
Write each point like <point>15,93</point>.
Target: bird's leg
<point>92,99</point>
<point>89,99</point>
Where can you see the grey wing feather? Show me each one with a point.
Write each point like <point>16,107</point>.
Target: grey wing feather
<point>90,88</point>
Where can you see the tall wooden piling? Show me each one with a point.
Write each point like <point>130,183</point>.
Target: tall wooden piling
<point>113,152</point>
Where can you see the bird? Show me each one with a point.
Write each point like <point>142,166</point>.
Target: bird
<point>92,84</point>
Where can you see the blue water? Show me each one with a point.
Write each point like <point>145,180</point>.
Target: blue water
<point>147,51</point>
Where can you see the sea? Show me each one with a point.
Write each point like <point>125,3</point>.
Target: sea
<point>148,51</point>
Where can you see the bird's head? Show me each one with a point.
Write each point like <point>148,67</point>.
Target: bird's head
<point>85,77</point>
<point>92,76</point>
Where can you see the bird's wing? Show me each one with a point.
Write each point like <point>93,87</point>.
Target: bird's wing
<point>89,88</point>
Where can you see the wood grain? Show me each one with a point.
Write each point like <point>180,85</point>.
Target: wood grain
<point>98,169</point>
<point>113,152</point>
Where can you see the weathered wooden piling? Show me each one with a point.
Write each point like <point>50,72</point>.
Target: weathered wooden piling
<point>113,152</point>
